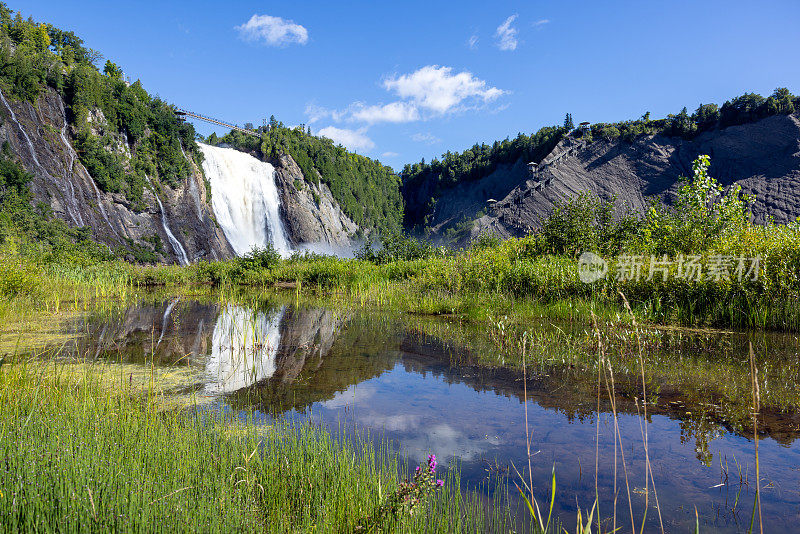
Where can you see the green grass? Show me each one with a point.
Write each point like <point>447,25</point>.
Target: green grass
<point>79,457</point>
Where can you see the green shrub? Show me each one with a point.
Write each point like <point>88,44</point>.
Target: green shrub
<point>212,272</point>
<point>702,214</point>
<point>586,223</point>
<point>396,246</point>
<point>18,278</point>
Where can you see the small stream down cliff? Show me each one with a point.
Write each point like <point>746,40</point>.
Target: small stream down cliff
<point>245,199</point>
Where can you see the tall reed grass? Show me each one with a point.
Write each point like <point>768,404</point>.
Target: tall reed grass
<point>81,456</point>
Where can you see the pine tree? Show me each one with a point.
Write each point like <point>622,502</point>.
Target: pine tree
<point>568,124</point>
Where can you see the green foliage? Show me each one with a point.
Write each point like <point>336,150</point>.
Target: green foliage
<point>586,223</point>
<point>605,131</point>
<point>112,71</point>
<point>32,232</point>
<point>395,247</point>
<point>156,138</point>
<point>18,278</point>
<point>406,500</point>
<point>367,191</point>
<point>706,116</point>
<point>155,241</point>
<point>258,259</point>
<point>102,107</point>
<point>702,214</point>
<point>423,183</point>
<point>84,451</point>
<point>102,165</point>
<point>486,240</point>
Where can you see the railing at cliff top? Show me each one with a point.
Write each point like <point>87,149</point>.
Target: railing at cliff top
<point>181,113</point>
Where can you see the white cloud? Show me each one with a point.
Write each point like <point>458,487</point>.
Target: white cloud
<point>389,155</point>
<point>426,138</point>
<point>507,35</point>
<point>394,112</point>
<point>352,139</point>
<point>439,90</point>
<point>541,22</point>
<point>472,42</point>
<point>316,113</point>
<point>393,423</point>
<point>350,397</point>
<point>273,31</point>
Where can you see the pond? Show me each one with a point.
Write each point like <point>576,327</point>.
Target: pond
<point>424,386</point>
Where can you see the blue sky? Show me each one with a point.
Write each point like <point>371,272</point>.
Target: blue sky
<point>399,81</point>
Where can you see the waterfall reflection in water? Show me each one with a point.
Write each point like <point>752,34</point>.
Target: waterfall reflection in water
<point>384,374</point>
<point>243,349</point>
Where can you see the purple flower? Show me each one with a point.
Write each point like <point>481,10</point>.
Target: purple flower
<point>418,470</point>
<point>432,462</point>
<point>439,483</point>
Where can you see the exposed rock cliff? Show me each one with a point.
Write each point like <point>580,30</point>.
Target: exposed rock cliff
<point>308,209</point>
<point>41,137</point>
<point>763,157</point>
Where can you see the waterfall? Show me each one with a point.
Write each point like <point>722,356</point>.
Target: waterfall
<point>245,199</point>
<point>164,320</point>
<point>243,349</point>
<point>176,245</point>
<point>72,154</point>
<point>77,219</point>
<point>21,129</point>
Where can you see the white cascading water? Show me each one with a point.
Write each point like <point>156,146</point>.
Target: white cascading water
<point>243,349</point>
<point>21,129</point>
<point>75,213</point>
<point>176,245</point>
<point>164,320</point>
<point>245,199</point>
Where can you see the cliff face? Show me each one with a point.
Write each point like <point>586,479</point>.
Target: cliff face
<point>309,211</point>
<point>762,157</point>
<point>41,137</point>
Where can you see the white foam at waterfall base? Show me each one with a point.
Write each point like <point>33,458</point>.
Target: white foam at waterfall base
<point>243,349</point>
<point>245,199</point>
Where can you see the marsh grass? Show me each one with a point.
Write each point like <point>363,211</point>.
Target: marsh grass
<point>82,452</point>
<point>505,279</point>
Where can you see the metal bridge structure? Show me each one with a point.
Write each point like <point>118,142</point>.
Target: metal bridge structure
<point>181,115</point>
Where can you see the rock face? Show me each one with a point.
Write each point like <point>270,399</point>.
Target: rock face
<point>40,136</point>
<point>762,157</point>
<point>309,211</point>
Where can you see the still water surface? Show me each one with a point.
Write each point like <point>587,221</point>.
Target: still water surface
<point>392,376</point>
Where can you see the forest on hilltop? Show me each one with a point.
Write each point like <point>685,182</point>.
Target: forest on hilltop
<point>106,112</point>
